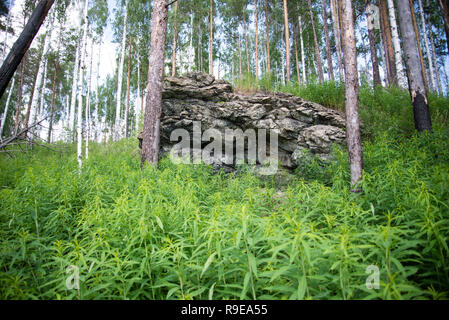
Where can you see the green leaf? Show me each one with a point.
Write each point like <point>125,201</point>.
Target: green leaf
<point>208,262</point>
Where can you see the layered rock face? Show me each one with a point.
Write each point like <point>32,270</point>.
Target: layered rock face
<point>299,124</point>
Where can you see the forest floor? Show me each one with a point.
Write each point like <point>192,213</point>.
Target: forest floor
<point>183,232</point>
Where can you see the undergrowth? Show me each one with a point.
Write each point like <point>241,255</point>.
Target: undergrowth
<point>183,232</point>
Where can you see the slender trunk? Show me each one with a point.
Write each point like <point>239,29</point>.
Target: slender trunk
<point>396,45</point>
<point>303,58</point>
<point>211,39</point>
<point>391,64</point>
<point>415,79</point>
<point>317,48</point>
<point>434,58</point>
<point>118,122</point>
<point>287,40</point>
<point>80,86</point>
<point>139,95</point>
<point>128,89</point>
<point>336,26</point>
<point>267,29</point>
<point>372,46</point>
<point>22,44</point>
<point>328,43</point>
<point>19,95</point>
<point>175,42</point>
<point>418,42</point>
<point>295,39</point>
<point>5,113</point>
<point>240,56</point>
<point>74,87</point>
<point>257,40</point>
<point>87,116</point>
<point>246,43</point>
<point>28,112</point>
<point>351,95</point>
<point>444,5</point>
<point>151,134</point>
<point>5,43</point>
<point>426,43</point>
<point>53,91</point>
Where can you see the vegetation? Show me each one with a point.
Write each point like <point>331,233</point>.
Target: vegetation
<point>183,232</point>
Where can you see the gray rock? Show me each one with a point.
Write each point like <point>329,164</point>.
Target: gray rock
<point>300,124</point>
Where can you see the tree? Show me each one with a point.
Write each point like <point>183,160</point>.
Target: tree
<point>151,134</point>
<point>257,42</point>
<point>175,42</point>
<point>287,40</point>
<point>426,43</point>
<point>372,46</point>
<point>414,68</point>
<point>388,44</point>
<point>211,39</point>
<point>315,42</point>
<point>22,44</point>
<point>328,44</point>
<point>396,44</point>
<point>351,94</point>
<point>267,30</point>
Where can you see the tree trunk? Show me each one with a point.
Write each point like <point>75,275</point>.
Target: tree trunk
<point>444,5</point>
<point>128,90</point>
<point>5,113</point>
<point>257,40</point>
<point>28,112</point>
<point>175,42</point>
<point>328,44</point>
<point>211,39</point>
<point>389,51</point>
<point>240,56</point>
<point>336,25</point>
<point>315,42</point>
<point>53,91</point>
<point>246,43</point>
<point>268,39</point>
<point>295,40</point>
<point>74,87</point>
<point>287,40</point>
<point>151,134</point>
<point>434,58</point>
<point>415,75</point>
<point>19,94</point>
<point>80,87</point>
<point>118,124</point>
<point>426,43</point>
<point>22,44</point>
<point>87,115</point>
<point>418,42</point>
<point>373,50</point>
<point>396,45</point>
<point>351,95</point>
<point>303,58</point>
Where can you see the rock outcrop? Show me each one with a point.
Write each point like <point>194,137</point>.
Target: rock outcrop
<point>300,125</point>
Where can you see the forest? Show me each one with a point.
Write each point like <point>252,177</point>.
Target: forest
<point>97,95</point>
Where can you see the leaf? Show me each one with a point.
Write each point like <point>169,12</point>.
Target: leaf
<point>245,285</point>
<point>252,263</point>
<point>159,223</point>
<point>302,288</point>
<point>208,262</point>
<point>211,291</point>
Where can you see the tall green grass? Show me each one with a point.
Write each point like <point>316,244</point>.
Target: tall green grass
<point>183,232</point>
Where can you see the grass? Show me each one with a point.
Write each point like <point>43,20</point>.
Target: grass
<point>183,232</point>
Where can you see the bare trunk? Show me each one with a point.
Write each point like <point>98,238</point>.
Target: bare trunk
<point>268,39</point>
<point>128,90</point>
<point>336,25</point>
<point>373,50</point>
<point>287,40</point>
<point>257,40</point>
<point>151,134</point>
<point>118,122</point>
<point>389,51</point>
<point>396,45</point>
<point>246,43</point>
<point>87,116</point>
<point>444,5</point>
<point>211,39</point>
<point>22,44</point>
<point>19,95</point>
<point>351,95</point>
<point>434,59</point>
<point>53,91</point>
<point>418,42</point>
<point>415,75</point>
<point>328,44</point>
<point>5,113</point>
<point>240,56</point>
<point>303,58</point>
<point>317,48</point>
<point>295,39</point>
<point>74,86</point>
<point>426,43</point>
<point>175,42</point>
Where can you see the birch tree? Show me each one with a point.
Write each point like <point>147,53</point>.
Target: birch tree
<point>351,94</point>
<point>396,45</point>
<point>287,42</point>
<point>426,44</point>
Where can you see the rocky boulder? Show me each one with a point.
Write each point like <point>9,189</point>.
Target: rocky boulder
<point>301,125</point>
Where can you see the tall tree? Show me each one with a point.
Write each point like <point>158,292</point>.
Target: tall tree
<point>388,44</point>
<point>257,40</point>
<point>372,46</point>
<point>414,68</point>
<point>211,38</point>
<point>267,30</point>
<point>287,40</point>
<point>336,27</point>
<point>22,44</point>
<point>426,43</point>
<point>351,94</point>
<point>315,43</point>
<point>151,134</point>
<point>175,41</point>
<point>444,5</point>
<point>328,43</point>
<point>396,45</point>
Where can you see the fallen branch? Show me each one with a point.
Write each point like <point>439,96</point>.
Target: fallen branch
<point>18,135</point>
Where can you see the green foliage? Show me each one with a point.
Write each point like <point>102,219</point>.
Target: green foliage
<point>183,232</point>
